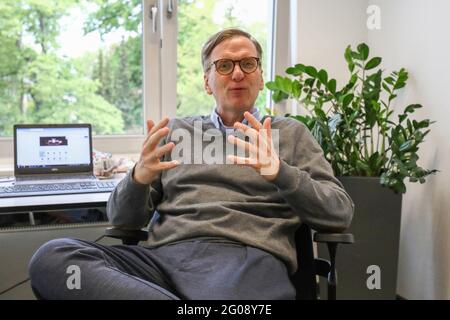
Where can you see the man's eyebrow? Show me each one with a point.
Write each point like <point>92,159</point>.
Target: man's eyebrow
<point>225,56</point>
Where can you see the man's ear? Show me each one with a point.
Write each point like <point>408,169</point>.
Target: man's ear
<point>206,84</point>
<point>261,84</point>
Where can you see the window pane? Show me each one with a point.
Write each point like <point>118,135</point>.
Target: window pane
<point>199,19</point>
<point>71,61</point>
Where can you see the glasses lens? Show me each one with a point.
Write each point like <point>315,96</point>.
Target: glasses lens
<point>224,66</point>
<point>248,64</point>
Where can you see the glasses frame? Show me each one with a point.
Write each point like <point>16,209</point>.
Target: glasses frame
<point>258,64</point>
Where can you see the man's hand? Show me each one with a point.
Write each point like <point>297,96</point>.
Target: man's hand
<point>263,156</point>
<point>149,164</point>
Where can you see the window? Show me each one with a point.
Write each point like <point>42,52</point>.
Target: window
<point>70,62</point>
<point>114,63</point>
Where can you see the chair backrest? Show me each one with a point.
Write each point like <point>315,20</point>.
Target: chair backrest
<point>304,279</point>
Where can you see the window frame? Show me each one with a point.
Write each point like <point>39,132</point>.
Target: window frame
<point>159,71</point>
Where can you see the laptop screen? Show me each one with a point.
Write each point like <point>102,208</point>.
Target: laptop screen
<point>52,148</point>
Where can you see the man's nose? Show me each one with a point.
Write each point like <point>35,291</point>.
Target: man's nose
<point>237,74</point>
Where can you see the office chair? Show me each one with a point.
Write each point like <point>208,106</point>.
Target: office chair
<point>309,267</point>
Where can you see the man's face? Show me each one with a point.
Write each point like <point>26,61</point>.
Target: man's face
<point>237,91</point>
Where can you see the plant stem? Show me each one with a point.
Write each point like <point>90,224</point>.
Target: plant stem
<point>366,151</point>
<point>371,141</point>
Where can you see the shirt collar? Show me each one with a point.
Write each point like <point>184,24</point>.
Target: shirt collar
<point>218,123</point>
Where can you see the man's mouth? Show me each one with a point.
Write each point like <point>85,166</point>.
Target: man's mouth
<point>237,89</point>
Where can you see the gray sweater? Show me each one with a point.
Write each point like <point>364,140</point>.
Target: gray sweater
<point>235,202</point>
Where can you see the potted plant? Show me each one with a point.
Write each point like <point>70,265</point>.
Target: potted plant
<point>372,149</point>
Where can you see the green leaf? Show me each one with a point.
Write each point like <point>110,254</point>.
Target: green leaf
<point>349,59</point>
<point>301,67</point>
<point>389,80</point>
<point>372,63</point>
<point>310,82</point>
<point>399,187</point>
<point>402,117</point>
<point>296,89</point>
<point>355,55</point>
<point>294,71</point>
<point>320,113</point>
<point>283,84</point>
<point>363,50</point>
<point>392,97</point>
<point>271,85</point>
<point>332,85</point>
<point>279,82</point>
<point>323,76</point>
<point>411,108</point>
<point>386,87</point>
<point>351,67</point>
<point>347,99</point>
<point>363,168</point>
<point>311,71</point>
<point>278,96</point>
<point>402,76</point>
<point>287,85</point>
<point>348,54</point>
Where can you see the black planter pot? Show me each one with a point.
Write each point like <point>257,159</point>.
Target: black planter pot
<point>367,269</point>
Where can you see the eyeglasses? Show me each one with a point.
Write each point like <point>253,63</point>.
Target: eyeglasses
<point>226,66</point>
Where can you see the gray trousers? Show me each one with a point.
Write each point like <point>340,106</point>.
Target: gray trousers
<point>209,269</point>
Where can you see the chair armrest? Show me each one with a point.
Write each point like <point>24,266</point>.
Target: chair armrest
<point>128,237</point>
<point>334,237</point>
<point>332,240</point>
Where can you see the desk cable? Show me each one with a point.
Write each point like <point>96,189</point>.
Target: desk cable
<point>28,279</point>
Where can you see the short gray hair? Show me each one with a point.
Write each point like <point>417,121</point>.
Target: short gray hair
<point>221,36</point>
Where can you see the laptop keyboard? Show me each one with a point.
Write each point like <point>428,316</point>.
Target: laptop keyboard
<point>24,190</point>
<point>65,176</point>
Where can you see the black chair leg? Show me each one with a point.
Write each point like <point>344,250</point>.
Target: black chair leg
<point>332,276</point>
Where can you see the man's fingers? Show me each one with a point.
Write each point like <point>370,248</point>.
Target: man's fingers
<point>164,122</point>
<point>267,125</point>
<point>252,120</point>
<point>242,144</point>
<point>166,165</point>
<point>161,151</point>
<point>242,160</point>
<point>155,139</point>
<point>150,125</point>
<point>240,125</point>
<point>152,128</point>
<point>252,133</point>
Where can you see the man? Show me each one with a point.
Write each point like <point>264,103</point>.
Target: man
<point>223,230</point>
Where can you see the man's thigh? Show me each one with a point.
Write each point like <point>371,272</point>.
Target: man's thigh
<point>104,272</point>
<point>203,269</point>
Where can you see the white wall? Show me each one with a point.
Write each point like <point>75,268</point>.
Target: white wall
<point>320,32</point>
<point>325,28</point>
<point>415,34</point>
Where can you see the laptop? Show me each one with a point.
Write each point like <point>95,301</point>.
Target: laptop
<point>53,159</point>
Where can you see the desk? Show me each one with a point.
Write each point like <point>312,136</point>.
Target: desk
<point>17,244</point>
<point>54,202</point>
<point>57,202</point>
